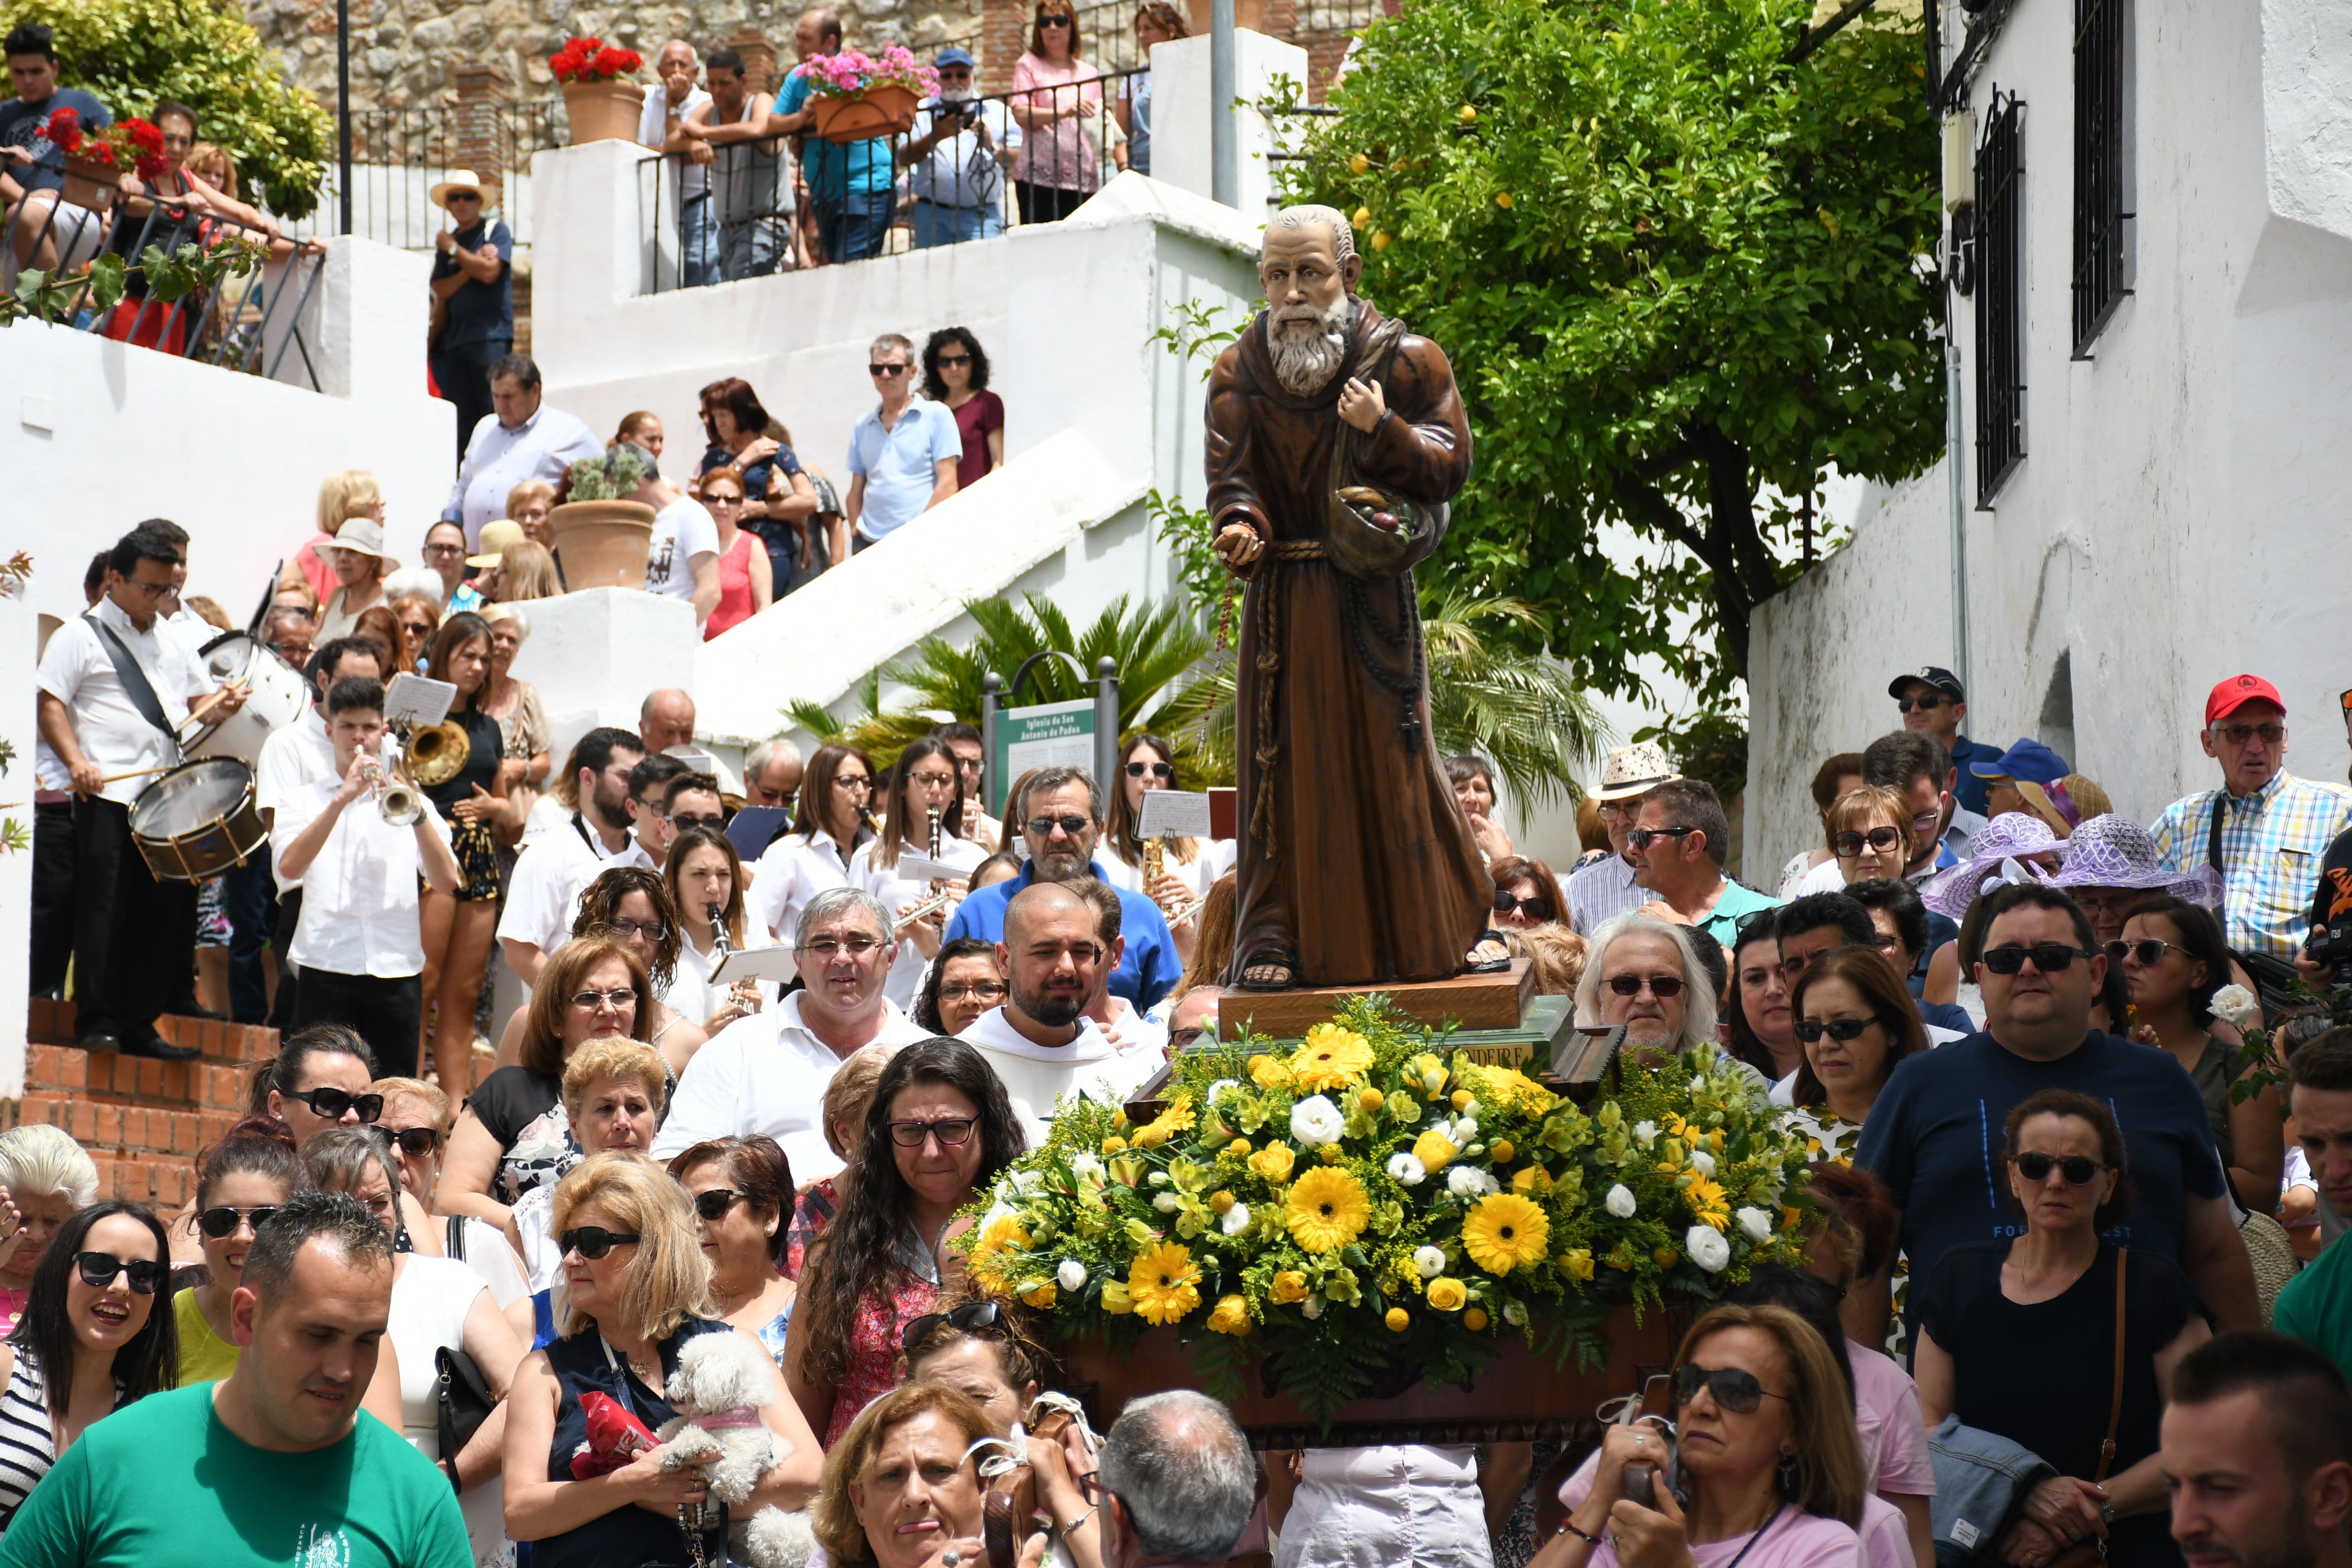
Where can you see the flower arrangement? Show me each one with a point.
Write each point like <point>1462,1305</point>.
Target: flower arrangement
<point>589,59</point>
<point>135,144</point>
<point>852,72</point>
<point>1368,1200</point>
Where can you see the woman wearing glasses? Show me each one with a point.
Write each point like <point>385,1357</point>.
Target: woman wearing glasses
<point>742,1193</point>
<point>91,1340</point>
<point>964,984</point>
<point>924,781</point>
<point>1189,867</point>
<point>242,1180</point>
<point>2018,1338</point>
<point>1527,894</point>
<point>939,1131</point>
<point>747,579</point>
<point>632,905</point>
<point>612,1098</point>
<point>829,826</point>
<point>513,1133</point>
<point>1058,103</point>
<point>2173,959</point>
<point>636,1289</point>
<point>415,1127</point>
<point>1869,835</point>
<point>1852,1021</point>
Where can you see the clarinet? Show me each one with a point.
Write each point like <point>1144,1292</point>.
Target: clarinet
<point>744,993</point>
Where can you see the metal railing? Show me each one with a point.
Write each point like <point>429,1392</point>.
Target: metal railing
<point>2101,253</point>
<point>398,155</point>
<point>253,323</point>
<point>962,171</point>
<point>1999,245</point>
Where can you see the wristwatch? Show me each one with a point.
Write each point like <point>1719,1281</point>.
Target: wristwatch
<point>2107,1514</point>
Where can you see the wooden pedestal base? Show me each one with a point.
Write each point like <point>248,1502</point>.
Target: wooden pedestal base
<point>1467,1002</point>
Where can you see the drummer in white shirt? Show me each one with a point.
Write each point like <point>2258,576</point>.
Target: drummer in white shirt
<point>359,943</point>
<point>1189,865</point>
<point>544,891</point>
<point>1041,1042</point>
<point>827,829</point>
<point>924,781</point>
<point>97,726</point>
<point>767,1074</point>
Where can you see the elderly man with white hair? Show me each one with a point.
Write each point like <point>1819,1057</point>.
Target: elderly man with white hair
<point>1641,973</point>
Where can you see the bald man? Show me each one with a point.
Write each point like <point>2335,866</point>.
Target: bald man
<point>665,720</point>
<point>1040,1041</point>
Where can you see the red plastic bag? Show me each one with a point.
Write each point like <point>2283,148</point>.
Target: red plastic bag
<point>614,1437</point>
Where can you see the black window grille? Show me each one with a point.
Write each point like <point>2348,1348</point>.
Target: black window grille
<point>1999,245</point>
<point>2100,235</point>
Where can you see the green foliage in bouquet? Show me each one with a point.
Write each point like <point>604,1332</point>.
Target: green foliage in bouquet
<point>1369,1201</point>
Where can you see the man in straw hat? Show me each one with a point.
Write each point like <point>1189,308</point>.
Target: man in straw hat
<point>473,283</point>
<point>1606,888</point>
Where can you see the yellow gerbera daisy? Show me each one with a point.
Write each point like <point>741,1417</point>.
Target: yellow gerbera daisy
<point>1177,1117</point>
<point>1327,1209</point>
<point>1710,1203</point>
<point>1164,1283</point>
<point>1331,1056</point>
<point>1038,1293</point>
<point>1504,1232</point>
<point>988,1263</point>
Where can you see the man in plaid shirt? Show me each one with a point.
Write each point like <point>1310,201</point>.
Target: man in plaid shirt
<point>2270,827</point>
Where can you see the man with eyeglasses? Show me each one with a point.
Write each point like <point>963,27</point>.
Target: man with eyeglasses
<point>543,894</point>
<point>2265,830</point>
<point>1606,888</point>
<point>767,1073</point>
<point>958,161</point>
<point>688,800</point>
<point>115,692</point>
<point>1934,1135</point>
<point>902,453</point>
<point>1678,849</point>
<point>1061,819</point>
<point>1933,702</point>
<point>1039,1040</point>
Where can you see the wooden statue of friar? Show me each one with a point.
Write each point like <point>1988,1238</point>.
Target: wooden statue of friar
<point>1336,439</point>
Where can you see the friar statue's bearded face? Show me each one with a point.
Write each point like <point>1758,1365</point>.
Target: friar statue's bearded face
<point>1307,265</point>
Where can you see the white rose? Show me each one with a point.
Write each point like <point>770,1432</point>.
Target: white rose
<point>1407,1170</point>
<point>1027,1183</point>
<point>1219,1087</point>
<point>1236,1219</point>
<point>1086,1167</point>
<point>2236,1005</point>
<point>1702,1162</point>
<point>1469,1182</point>
<point>1706,1249</point>
<point>1157,1179</point>
<point>1645,1133</point>
<point>1428,1262</point>
<point>1072,1274</point>
<point>1168,1203</point>
<point>1620,1201</point>
<point>1312,1307</point>
<point>1756,1225</point>
<point>1471,1108</point>
<point>1515,1315</point>
<point>1465,1134</point>
<point>1316,1121</point>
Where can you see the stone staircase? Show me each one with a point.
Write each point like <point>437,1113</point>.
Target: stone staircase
<point>141,1121</point>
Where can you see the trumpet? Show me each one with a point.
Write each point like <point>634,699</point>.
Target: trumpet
<point>396,798</point>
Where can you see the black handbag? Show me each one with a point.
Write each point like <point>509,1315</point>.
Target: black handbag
<point>466,1402</point>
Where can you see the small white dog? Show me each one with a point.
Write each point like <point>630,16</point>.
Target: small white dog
<point>721,1384</point>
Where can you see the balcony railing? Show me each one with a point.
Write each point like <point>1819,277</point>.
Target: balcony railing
<point>398,155</point>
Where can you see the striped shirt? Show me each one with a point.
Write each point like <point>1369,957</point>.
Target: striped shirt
<point>2272,843</point>
<point>1601,892</point>
<point>27,1447</point>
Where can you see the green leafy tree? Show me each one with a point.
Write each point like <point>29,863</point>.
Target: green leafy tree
<point>1679,255</point>
<point>130,54</point>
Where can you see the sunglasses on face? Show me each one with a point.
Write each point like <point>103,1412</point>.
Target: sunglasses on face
<point>1535,908</point>
<point>414,1141</point>
<point>1042,827</point>
<point>1926,702</point>
<point>1157,770</point>
<point>1053,22</point>
<point>686,819</point>
<point>1840,1029</point>
<point>1882,840</point>
<point>887,371</point>
<point>1643,838</point>
<point>713,1204</point>
<point>2078,1169</point>
<point>594,1241</point>
<point>1734,1389</point>
<point>2049,957</point>
<point>99,1269</point>
<point>2239,734</point>
<point>332,1104</point>
<point>953,1132</point>
<point>2148,950</point>
<point>221,1223</point>
<point>1663,986</point>
<point>955,359</point>
<point>971,1315</point>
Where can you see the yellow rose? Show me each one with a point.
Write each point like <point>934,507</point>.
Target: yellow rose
<point>1231,1317</point>
<point>1501,1151</point>
<point>1476,1320</point>
<point>1267,1073</point>
<point>1533,1179</point>
<point>1288,1286</point>
<point>1578,1263</point>
<point>1037,1293</point>
<point>1274,1161</point>
<point>1372,1100</point>
<point>1113,1144</point>
<point>1433,1149</point>
<point>1116,1299</point>
<point>1221,1202</point>
<point>1446,1294</point>
<point>1398,1319</point>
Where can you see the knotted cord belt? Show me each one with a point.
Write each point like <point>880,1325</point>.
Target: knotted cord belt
<point>1269,660</point>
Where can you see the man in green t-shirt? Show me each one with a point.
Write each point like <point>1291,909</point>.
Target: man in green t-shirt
<point>2316,1305</point>
<point>275,1467</point>
<point>1680,841</point>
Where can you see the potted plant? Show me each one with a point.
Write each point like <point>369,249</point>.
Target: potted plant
<point>857,98</point>
<point>602,539</point>
<point>97,160</point>
<point>600,104</point>
<point>1391,1232</point>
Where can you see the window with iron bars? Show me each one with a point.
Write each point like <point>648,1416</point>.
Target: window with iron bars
<point>2102,250</point>
<point>1999,245</point>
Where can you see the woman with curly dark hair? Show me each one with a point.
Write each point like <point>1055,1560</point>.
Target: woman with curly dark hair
<point>955,372</point>
<point>937,1133</point>
<point>777,498</point>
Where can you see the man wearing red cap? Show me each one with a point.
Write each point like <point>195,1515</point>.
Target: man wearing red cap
<point>2265,830</point>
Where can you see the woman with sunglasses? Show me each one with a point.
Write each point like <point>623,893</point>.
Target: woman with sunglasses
<point>938,1132</point>
<point>742,1193</point>
<point>1527,894</point>
<point>90,1342</point>
<point>437,1304</point>
<point>241,1180</point>
<point>45,1177</point>
<point>1058,103</point>
<point>1188,865</point>
<point>1770,1467</point>
<point>829,826</point>
<point>747,581</point>
<point>612,1098</point>
<point>1854,1021</point>
<point>2018,1338</point>
<point>321,1078</point>
<point>636,1290</point>
<point>2174,959</point>
<point>1869,835</point>
<point>415,1127</point>
<point>924,780</point>
<point>513,1133</point>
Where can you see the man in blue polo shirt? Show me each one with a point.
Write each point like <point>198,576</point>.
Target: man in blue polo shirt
<point>1060,818</point>
<point>903,454</point>
<point>849,185</point>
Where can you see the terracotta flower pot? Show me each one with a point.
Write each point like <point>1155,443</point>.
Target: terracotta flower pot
<point>89,184</point>
<point>602,111</point>
<point>860,117</point>
<point>603,543</point>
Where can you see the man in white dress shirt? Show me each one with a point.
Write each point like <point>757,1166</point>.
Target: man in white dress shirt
<point>114,691</point>
<point>358,941</point>
<point>767,1073</point>
<point>543,896</point>
<point>521,440</point>
<point>1041,1042</point>
<point>1597,893</point>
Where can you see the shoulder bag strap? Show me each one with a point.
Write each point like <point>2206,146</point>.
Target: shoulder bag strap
<point>454,1230</point>
<point>2115,1402</point>
<point>135,684</point>
<point>2214,838</point>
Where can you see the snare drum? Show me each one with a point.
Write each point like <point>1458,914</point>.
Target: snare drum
<point>276,695</point>
<point>198,820</point>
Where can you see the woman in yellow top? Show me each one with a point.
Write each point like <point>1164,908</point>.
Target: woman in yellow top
<point>246,1177</point>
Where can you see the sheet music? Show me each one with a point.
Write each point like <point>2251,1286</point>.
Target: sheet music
<point>416,701</point>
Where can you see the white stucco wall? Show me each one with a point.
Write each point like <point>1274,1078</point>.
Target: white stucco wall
<point>18,632</point>
<point>2176,517</point>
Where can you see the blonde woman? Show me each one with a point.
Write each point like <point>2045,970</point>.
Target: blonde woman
<point>341,497</point>
<point>527,570</point>
<point>614,1091</point>
<point>530,504</point>
<point>530,742</point>
<point>361,564</point>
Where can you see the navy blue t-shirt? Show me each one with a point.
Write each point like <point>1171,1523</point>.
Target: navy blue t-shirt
<point>20,126</point>
<point>1971,791</point>
<point>1935,1138</point>
<point>1946,1015</point>
<point>479,312</point>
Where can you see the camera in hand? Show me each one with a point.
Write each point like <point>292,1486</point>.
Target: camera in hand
<point>964,109</point>
<point>1642,1482</point>
<point>2330,948</point>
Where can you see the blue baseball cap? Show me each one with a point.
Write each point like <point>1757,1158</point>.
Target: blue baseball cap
<point>2028,760</point>
<point>953,56</point>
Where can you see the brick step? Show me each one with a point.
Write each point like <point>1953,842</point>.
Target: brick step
<point>52,1022</point>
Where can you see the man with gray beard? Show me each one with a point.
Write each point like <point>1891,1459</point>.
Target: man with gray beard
<point>1335,440</point>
